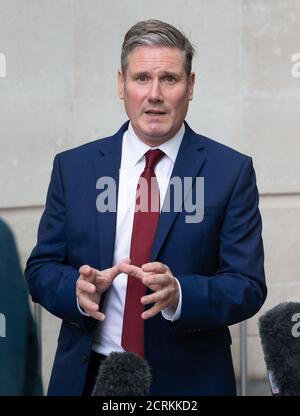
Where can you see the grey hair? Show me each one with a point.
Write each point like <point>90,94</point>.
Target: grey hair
<point>156,33</point>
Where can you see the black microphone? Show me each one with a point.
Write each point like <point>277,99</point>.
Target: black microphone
<point>280,331</point>
<point>123,374</point>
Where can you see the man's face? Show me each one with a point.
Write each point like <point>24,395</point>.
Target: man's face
<point>156,92</point>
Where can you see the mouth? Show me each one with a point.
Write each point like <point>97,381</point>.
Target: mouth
<point>155,113</point>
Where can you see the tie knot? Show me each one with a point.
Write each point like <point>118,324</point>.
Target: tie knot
<point>152,157</point>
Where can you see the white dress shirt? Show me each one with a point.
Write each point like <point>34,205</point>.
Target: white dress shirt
<point>109,332</point>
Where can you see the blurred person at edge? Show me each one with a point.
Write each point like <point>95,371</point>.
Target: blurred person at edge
<point>19,354</point>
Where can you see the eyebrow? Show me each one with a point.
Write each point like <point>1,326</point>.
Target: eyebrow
<point>163,74</point>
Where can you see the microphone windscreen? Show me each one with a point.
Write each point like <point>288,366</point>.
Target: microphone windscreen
<point>281,346</point>
<point>123,374</point>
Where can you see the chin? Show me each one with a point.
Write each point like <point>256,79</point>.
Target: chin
<point>157,132</point>
<point>157,136</point>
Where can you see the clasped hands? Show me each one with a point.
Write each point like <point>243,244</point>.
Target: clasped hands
<point>157,276</point>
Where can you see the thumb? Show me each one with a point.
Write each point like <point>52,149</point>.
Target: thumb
<point>86,271</point>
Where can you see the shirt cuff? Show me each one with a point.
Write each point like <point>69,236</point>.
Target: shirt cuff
<point>169,313</point>
<point>81,310</point>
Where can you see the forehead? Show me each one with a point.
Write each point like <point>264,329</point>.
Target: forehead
<point>155,58</point>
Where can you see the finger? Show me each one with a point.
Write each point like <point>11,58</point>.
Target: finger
<point>87,272</point>
<point>115,270</point>
<point>87,304</point>
<point>98,315</point>
<point>132,270</point>
<point>126,260</point>
<point>85,286</point>
<point>154,288</point>
<point>155,267</point>
<point>158,296</point>
<point>107,275</point>
<point>156,279</point>
<point>157,308</point>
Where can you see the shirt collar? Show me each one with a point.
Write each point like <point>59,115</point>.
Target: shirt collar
<point>135,148</point>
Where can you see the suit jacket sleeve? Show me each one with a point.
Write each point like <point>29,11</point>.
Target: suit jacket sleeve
<point>237,290</point>
<point>52,282</point>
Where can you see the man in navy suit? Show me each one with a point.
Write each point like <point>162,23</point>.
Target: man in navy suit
<point>204,273</point>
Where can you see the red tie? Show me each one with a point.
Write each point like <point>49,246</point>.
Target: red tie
<point>143,233</point>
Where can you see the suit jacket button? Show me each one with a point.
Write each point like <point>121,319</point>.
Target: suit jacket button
<point>84,358</point>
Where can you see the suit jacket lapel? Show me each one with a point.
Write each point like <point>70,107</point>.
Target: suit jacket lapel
<point>107,164</point>
<point>189,161</point>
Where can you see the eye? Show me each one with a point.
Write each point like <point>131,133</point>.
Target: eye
<point>169,79</point>
<point>142,78</point>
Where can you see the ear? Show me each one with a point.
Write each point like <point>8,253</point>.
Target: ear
<point>191,83</point>
<point>121,81</point>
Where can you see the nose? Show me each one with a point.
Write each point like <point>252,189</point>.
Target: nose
<point>155,93</point>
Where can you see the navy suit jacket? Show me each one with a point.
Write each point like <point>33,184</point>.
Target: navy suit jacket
<point>218,262</point>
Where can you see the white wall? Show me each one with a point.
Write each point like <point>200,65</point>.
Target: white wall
<point>60,90</point>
